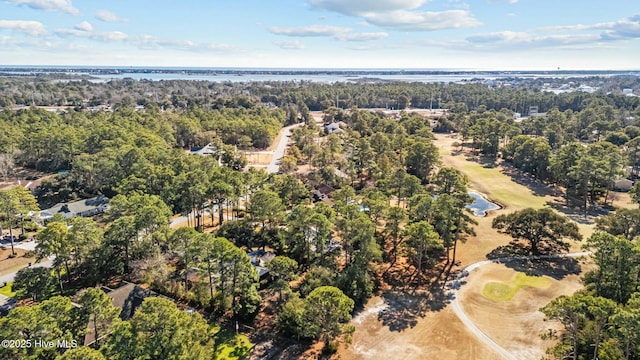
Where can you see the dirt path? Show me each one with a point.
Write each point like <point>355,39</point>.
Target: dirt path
<point>459,310</point>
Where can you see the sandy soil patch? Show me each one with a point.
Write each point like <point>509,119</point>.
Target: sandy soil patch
<point>517,324</point>
<point>436,335</point>
<point>8,264</point>
<point>258,158</point>
<point>622,200</point>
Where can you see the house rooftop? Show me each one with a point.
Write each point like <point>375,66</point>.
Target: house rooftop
<point>259,259</point>
<point>86,207</point>
<point>127,297</point>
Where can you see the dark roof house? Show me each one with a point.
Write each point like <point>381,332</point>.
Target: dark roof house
<point>259,260</point>
<point>127,297</point>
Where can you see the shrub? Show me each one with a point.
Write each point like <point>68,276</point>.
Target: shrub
<point>31,226</point>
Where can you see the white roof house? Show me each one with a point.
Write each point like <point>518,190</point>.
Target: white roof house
<point>85,208</point>
<point>334,127</point>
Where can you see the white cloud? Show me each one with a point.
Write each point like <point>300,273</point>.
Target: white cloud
<point>508,1</point>
<point>49,5</point>
<point>423,20</point>
<point>152,42</point>
<point>518,40</point>
<point>403,15</point>
<point>149,42</point>
<point>579,36</point>
<point>289,44</point>
<point>84,26</point>
<point>336,32</point>
<point>108,16</point>
<point>109,36</point>
<point>361,7</point>
<point>311,30</point>
<point>33,28</point>
<point>366,36</point>
<point>624,29</point>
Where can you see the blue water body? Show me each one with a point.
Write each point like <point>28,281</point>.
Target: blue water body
<point>480,205</point>
<point>106,73</point>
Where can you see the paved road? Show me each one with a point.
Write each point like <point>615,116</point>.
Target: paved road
<point>459,310</point>
<point>274,166</point>
<point>10,276</point>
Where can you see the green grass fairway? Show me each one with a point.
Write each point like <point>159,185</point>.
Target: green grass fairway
<point>505,291</point>
<point>7,290</point>
<point>501,188</point>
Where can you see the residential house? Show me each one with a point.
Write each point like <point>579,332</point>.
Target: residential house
<point>84,208</point>
<point>259,260</point>
<point>335,127</point>
<point>127,297</point>
<point>323,193</point>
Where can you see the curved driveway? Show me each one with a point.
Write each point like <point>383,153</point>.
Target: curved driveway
<point>459,310</point>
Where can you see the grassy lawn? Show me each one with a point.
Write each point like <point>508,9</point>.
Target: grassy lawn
<point>505,291</point>
<point>7,290</point>
<point>230,346</point>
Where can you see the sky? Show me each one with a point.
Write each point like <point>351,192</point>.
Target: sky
<point>380,34</point>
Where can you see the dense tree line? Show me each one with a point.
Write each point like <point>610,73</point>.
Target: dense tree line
<point>158,330</point>
<point>303,96</point>
<point>602,320</point>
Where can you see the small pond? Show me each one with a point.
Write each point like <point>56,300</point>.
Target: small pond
<point>480,205</point>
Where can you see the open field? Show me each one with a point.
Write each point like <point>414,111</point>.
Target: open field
<point>512,189</point>
<point>492,180</point>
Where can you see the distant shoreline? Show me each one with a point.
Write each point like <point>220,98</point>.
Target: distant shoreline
<point>119,70</point>
<point>234,75</point>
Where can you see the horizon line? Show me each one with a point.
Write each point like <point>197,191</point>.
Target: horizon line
<point>235,68</point>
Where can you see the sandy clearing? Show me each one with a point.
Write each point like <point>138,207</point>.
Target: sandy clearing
<point>438,334</point>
